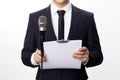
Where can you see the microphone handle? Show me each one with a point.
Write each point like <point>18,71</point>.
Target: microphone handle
<point>42,51</point>
<point>41,42</point>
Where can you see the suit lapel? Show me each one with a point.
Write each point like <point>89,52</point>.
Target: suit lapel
<point>50,34</point>
<point>74,22</point>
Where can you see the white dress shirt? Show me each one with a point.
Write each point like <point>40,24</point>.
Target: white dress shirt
<point>67,19</point>
<point>54,16</point>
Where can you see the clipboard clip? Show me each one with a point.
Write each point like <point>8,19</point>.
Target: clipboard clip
<point>62,41</point>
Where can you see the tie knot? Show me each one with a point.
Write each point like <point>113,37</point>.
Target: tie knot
<point>61,12</point>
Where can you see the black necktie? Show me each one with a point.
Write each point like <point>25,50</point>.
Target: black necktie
<point>61,24</point>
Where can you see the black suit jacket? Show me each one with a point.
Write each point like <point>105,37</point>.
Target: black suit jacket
<point>82,27</point>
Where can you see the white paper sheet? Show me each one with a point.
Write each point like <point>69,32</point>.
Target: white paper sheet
<point>59,55</point>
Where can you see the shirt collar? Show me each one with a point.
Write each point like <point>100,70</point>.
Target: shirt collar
<point>54,8</point>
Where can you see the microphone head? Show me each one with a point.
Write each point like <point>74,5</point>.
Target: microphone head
<point>42,23</point>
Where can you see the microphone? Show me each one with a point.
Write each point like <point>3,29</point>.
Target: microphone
<point>42,22</point>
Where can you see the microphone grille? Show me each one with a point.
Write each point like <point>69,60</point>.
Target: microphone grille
<point>42,23</point>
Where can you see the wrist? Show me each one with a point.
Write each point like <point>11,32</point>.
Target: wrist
<point>85,62</point>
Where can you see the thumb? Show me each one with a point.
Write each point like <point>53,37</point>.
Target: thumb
<point>38,52</point>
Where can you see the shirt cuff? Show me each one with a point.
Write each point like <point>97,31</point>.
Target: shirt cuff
<point>32,60</point>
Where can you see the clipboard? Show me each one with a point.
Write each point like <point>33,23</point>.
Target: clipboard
<point>59,54</point>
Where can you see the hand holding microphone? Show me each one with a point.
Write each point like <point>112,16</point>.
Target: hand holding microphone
<point>37,57</point>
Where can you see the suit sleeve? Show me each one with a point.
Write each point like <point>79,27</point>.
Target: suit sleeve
<point>95,57</point>
<point>29,43</point>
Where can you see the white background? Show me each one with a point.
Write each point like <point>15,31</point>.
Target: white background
<point>13,23</point>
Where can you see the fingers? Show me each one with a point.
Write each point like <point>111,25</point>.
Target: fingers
<point>82,54</point>
<point>79,55</point>
<point>82,57</point>
<point>44,58</point>
<point>83,49</point>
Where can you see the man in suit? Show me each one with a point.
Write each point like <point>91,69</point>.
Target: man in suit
<point>79,25</point>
